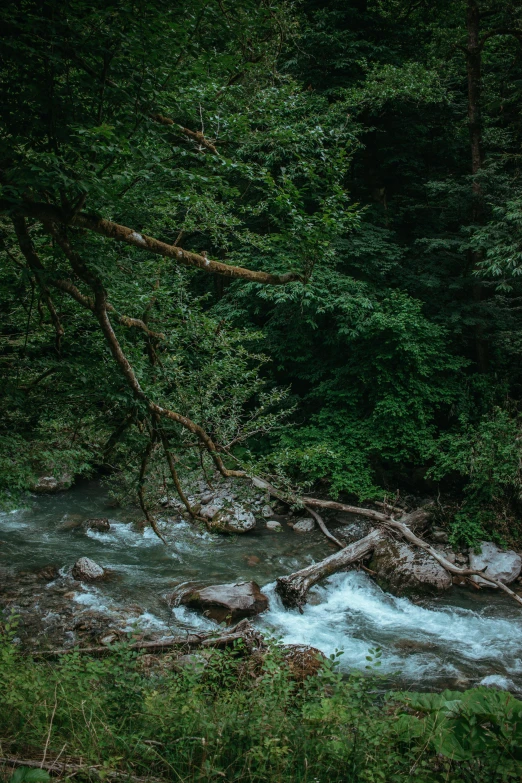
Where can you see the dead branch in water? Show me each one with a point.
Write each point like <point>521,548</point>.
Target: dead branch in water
<point>293,588</point>
<point>243,631</point>
<point>323,527</point>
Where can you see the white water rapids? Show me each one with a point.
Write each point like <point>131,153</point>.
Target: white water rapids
<point>458,639</point>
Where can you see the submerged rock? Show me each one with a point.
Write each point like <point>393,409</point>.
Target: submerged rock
<point>48,484</point>
<point>304,525</point>
<point>504,566</point>
<point>71,522</point>
<point>498,681</point>
<point>230,602</point>
<point>49,573</point>
<point>400,568</point>
<point>100,524</point>
<point>86,570</point>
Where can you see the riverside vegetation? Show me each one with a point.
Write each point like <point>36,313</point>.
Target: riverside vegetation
<point>221,718</point>
<point>261,239</point>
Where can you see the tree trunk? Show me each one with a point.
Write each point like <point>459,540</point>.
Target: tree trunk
<point>474,67</point>
<point>473,62</point>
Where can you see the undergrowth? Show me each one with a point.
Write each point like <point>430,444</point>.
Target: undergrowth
<point>232,717</point>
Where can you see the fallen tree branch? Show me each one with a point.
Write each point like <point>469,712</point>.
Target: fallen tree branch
<point>292,589</point>
<point>243,631</point>
<point>63,768</point>
<point>377,516</point>
<point>409,535</point>
<point>323,527</point>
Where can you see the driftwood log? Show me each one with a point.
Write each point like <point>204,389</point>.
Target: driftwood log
<point>292,589</point>
<point>243,631</point>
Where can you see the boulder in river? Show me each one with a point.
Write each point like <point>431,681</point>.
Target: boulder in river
<point>86,570</point>
<point>230,602</point>
<point>100,524</point>
<point>234,519</point>
<point>304,525</point>
<point>49,484</point>
<point>273,524</point>
<point>504,566</point>
<point>400,568</point>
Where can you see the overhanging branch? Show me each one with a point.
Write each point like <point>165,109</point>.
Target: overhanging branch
<point>48,213</point>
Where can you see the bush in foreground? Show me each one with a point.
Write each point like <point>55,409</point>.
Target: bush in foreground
<point>228,716</point>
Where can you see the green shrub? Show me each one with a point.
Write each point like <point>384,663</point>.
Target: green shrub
<point>231,717</point>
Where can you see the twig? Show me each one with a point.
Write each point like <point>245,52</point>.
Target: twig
<point>50,727</point>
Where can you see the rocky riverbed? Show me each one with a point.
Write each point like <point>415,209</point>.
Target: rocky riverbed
<point>457,636</point>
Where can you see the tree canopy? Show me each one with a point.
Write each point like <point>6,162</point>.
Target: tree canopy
<point>281,235</point>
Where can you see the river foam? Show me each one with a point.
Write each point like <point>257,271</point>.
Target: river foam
<point>351,613</point>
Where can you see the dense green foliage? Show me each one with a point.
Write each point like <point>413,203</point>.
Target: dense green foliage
<point>225,717</point>
<point>331,139</point>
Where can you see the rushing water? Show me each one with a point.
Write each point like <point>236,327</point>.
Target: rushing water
<point>457,639</point>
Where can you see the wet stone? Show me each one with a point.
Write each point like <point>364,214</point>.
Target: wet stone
<point>71,522</point>
<point>504,566</point>
<point>49,484</point>
<point>48,573</point>
<point>400,568</point>
<point>304,525</point>
<point>225,602</point>
<point>86,570</point>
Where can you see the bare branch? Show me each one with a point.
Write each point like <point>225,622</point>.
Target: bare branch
<point>323,527</point>
<point>48,213</point>
<point>405,531</point>
<point>100,311</point>
<point>141,489</point>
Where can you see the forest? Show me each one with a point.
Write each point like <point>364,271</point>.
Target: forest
<point>260,322</point>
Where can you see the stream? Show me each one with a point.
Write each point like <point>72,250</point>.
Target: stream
<point>455,640</point>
